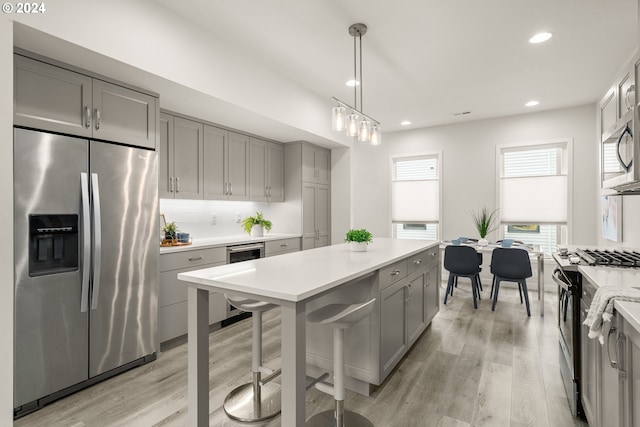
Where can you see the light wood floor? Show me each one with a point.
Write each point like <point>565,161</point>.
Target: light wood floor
<point>470,368</point>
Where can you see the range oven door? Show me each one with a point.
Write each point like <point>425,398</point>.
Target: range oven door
<point>569,344</point>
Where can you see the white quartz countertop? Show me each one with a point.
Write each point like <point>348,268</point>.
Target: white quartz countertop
<point>300,275</point>
<point>611,276</point>
<point>225,241</point>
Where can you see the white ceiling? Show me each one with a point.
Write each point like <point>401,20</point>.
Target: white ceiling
<point>425,60</point>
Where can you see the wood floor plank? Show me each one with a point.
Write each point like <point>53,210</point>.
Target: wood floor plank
<point>493,406</point>
<point>527,407</point>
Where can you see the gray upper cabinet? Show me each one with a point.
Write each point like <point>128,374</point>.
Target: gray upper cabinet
<point>226,164</point>
<point>52,98</point>
<point>316,164</point>
<point>238,166</point>
<point>123,115</point>
<point>266,171</point>
<point>181,158</point>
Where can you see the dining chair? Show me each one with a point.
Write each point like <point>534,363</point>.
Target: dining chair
<point>462,261</point>
<point>510,265</point>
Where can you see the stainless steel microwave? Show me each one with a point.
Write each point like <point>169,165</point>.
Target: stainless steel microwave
<point>620,155</point>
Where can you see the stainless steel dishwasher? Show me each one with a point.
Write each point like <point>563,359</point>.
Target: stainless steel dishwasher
<point>240,253</point>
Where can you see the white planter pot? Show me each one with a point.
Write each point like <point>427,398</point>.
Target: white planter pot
<point>483,242</point>
<point>257,231</point>
<point>358,246</point>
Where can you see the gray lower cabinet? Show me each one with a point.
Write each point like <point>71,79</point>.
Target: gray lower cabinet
<point>629,374</point>
<point>54,98</point>
<point>280,247</point>
<point>406,301</point>
<point>590,363</point>
<point>172,293</point>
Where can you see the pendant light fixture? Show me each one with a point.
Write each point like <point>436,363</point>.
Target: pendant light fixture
<point>346,117</point>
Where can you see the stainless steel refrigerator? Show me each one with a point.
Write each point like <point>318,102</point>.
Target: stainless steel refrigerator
<point>86,263</point>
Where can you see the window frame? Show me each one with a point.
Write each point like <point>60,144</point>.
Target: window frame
<point>392,173</point>
<point>533,145</point>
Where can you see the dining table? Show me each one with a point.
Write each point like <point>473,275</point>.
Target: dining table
<point>534,253</point>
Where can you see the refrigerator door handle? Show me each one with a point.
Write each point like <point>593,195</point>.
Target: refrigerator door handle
<point>86,241</point>
<point>97,240</point>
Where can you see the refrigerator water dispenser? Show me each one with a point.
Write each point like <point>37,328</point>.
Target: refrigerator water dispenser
<point>53,244</point>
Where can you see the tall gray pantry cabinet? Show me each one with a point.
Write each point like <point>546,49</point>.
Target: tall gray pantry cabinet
<point>308,187</point>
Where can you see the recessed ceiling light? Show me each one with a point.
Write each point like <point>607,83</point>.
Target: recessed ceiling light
<point>540,37</point>
<point>353,83</point>
<point>531,103</point>
<point>405,123</point>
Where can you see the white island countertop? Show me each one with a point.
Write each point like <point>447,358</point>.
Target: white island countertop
<point>291,281</point>
<point>300,275</point>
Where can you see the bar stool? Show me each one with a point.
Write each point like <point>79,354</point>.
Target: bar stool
<point>258,400</point>
<point>340,317</point>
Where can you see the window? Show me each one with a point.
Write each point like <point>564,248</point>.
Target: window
<point>415,197</point>
<point>533,194</point>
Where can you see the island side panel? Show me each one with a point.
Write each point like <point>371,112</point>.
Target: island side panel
<point>293,332</point>
<point>198,356</point>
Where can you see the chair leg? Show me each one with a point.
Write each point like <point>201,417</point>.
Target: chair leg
<point>456,285</point>
<point>449,288</point>
<point>520,292</point>
<point>493,284</point>
<point>479,283</point>
<point>474,289</point>
<point>526,296</point>
<point>495,294</point>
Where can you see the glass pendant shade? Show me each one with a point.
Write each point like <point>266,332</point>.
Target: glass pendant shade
<point>376,135</point>
<point>364,133</point>
<point>339,118</point>
<point>352,124</point>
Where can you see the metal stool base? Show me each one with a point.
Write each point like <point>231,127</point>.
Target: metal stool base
<point>327,419</point>
<point>240,404</point>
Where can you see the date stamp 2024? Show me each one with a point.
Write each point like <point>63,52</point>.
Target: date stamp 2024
<point>24,8</point>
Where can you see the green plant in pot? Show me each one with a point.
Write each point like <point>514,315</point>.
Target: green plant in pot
<point>169,230</point>
<point>255,225</point>
<point>358,239</point>
<point>484,220</point>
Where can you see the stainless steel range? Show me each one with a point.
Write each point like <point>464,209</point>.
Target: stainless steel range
<point>574,299</point>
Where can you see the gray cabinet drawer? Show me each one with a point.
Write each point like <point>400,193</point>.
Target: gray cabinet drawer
<point>392,273</point>
<point>285,245</point>
<point>194,258</point>
<point>171,290</point>
<point>423,259</point>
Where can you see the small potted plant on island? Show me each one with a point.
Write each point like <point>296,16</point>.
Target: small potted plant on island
<point>358,239</point>
<point>484,220</point>
<point>255,225</point>
<point>169,230</point>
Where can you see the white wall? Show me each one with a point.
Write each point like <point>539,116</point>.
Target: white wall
<point>6,217</point>
<point>468,167</point>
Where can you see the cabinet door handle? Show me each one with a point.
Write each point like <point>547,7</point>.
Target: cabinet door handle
<point>170,184</point>
<point>230,189</point>
<point>177,184</point>
<point>433,254</point>
<point>619,349</point>
<point>87,117</point>
<point>395,272</point>
<point>613,363</point>
<point>98,121</point>
<point>197,258</point>
<point>418,261</point>
<point>284,245</point>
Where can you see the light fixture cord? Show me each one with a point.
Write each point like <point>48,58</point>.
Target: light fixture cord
<point>355,75</point>
<point>361,84</point>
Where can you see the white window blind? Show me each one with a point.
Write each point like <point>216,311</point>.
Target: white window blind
<point>415,197</point>
<point>534,194</point>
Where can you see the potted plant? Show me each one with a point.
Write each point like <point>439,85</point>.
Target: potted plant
<point>255,225</point>
<point>169,230</point>
<point>358,239</point>
<point>484,221</point>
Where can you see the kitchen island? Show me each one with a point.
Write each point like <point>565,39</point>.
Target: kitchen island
<point>397,272</point>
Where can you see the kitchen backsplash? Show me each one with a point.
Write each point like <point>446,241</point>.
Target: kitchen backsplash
<point>196,216</point>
